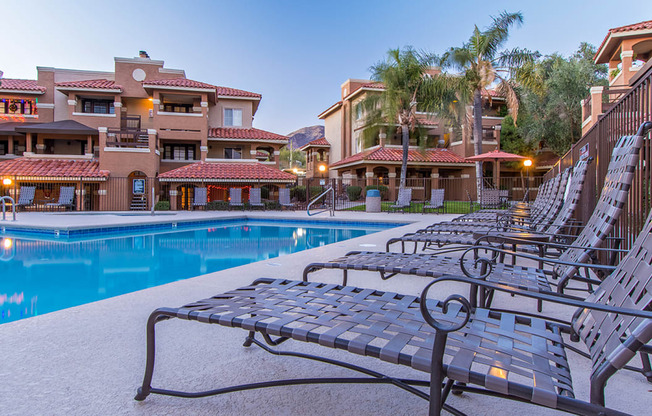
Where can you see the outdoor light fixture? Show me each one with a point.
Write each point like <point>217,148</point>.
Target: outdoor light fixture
<point>527,163</point>
<point>295,170</point>
<point>7,243</point>
<point>322,168</point>
<point>6,181</point>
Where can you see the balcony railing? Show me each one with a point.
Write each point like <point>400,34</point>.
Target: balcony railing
<point>135,138</point>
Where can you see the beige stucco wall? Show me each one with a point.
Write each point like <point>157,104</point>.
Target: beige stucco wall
<point>216,112</point>
<point>333,134</point>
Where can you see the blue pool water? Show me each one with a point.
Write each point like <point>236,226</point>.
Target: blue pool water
<point>41,276</point>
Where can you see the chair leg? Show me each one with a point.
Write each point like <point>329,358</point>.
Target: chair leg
<point>155,317</point>
<point>437,375</point>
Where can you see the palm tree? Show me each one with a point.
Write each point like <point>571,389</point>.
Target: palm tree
<point>403,76</point>
<point>481,64</point>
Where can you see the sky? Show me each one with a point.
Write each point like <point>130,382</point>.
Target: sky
<point>295,53</point>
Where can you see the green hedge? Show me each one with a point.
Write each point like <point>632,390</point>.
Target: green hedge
<point>272,205</point>
<point>384,191</point>
<point>162,206</point>
<point>299,192</point>
<point>353,192</point>
<point>217,206</point>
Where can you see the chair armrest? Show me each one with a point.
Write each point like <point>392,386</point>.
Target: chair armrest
<point>545,260</point>
<point>554,298</point>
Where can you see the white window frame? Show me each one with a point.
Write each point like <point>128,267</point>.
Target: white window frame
<point>234,117</point>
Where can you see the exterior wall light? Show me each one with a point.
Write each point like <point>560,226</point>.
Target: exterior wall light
<point>527,163</point>
<point>322,168</point>
<point>7,181</point>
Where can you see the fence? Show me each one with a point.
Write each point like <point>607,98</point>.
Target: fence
<point>140,193</point>
<point>624,117</point>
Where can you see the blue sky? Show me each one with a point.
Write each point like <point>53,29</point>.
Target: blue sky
<point>295,53</point>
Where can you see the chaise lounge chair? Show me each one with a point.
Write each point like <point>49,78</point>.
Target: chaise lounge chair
<point>436,201</point>
<point>235,198</point>
<point>255,200</point>
<point>26,197</point>
<point>403,202</point>
<point>66,197</point>
<point>565,268</point>
<point>200,198</point>
<point>458,347</point>
<point>284,199</point>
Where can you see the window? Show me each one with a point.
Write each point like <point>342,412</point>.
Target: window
<point>358,111</point>
<point>232,117</point>
<point>179,152</point>
<point>233,153</point>
<point>97,106</point>
<point>177,108</point>
<point>17,106</point>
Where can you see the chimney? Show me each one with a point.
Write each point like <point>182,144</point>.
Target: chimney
<point>143,54</point>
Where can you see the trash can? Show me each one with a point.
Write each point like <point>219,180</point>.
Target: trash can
<point>373,200</point>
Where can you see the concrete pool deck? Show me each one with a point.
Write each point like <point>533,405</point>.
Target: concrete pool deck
<point>89,360</point>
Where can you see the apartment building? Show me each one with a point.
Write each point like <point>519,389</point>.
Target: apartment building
<point>627,51</point>
<point>443,157</point>
<point>92,129</point>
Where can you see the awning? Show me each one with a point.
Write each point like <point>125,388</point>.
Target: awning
<point>59,127</point>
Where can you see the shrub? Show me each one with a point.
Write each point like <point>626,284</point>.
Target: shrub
<point>217,206</point>
<point>162,206</point>
<point>272,205</point>
<point>353,192</point>
<point>298,192</point>
<point>384,191</point>
<point>315,191</point>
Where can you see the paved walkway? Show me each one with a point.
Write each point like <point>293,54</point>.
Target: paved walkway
<point>88,360</point>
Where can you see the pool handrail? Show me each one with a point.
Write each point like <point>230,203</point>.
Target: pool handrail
<point>4,207</point>
<point>332,208</point>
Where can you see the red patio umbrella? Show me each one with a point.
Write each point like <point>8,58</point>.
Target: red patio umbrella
<point>496,156</point>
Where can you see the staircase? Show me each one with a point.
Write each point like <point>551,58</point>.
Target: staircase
<point>139,203</point>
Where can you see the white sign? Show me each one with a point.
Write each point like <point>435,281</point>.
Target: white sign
<point>139,186</point>
<point>322,182</point>
<point>584,152</point>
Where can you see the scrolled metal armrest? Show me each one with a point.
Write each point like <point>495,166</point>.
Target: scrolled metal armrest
<point>427,316</point>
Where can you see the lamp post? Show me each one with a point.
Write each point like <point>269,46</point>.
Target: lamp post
<point>527,163</point>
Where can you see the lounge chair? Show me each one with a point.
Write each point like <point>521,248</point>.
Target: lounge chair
<point>66,197</point>
<point>200,198</point>
<point>404,200</point>
<point>458,347</point>
<point>255,200</point>
<point>26,197</point>
<point>284,198</point>
<point>436,201</point>
<point>563,270</point>
<point>235,198</point>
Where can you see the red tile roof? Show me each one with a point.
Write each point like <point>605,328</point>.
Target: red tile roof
<point>636,26</point>
<point>227,172</point>
<point>20,85</point>
<point>628,28</point>
<point>99,84</point>
<point>384,154</point>
<point>245,134</point>
<point>24,167</point>
<point>232,92</point>
<point>321,142</point>
<point>179,82</point>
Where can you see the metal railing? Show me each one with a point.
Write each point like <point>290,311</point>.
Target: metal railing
<point>323,194</point>
<point>623,117</point>
<point>4,200</point>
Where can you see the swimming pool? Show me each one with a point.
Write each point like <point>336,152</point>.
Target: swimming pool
<point>42,275</point>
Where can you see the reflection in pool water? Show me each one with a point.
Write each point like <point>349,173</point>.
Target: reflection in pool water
<point>38,276</point>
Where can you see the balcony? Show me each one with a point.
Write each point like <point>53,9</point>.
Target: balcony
<point>127,138</point>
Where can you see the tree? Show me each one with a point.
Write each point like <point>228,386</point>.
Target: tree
<point>554,111</point>
<point>482,64</point>
<point>298,158</point>
<point>403,75</point>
